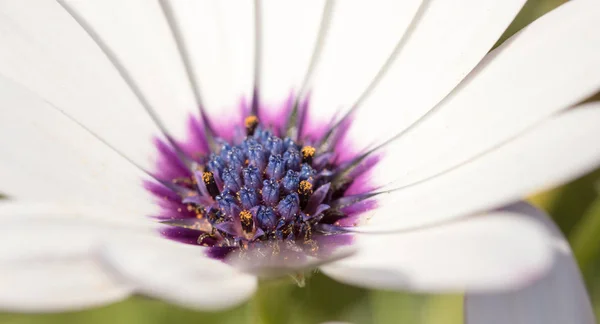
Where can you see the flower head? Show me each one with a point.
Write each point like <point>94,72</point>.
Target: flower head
<point>365,135</point>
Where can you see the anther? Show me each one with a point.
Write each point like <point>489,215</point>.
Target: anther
<point>247,222</point>
<point>305,190</point>
<point>308,152</point>
<point>251,123</point>
<point>209,181</point>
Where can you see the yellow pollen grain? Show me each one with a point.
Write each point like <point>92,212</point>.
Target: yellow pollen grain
<point>308,151</point>
<point>245,215</point>
<point>250,121</point>
<point>305,186</point>
<point>207,176</point>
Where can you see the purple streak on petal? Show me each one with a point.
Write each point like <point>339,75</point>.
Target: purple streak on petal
<point>355,212</point>
<point>328,244</point>
<point>195,144</point>
<point>197,200</point>
<point>228,125</point>
<point>303,108</point>
<point>168,164</point>
<point>361,175</point>
<point>275,117</point>
<point>343,145</point>
<point>219,252</point>
<point>169,202</point>
<point>183,235</point>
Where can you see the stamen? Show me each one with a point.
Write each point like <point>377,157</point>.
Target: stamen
<point>209,181</point>
<point>305,190</point>
<point>308,152</point>
<point>251,123</point>
<point>247,222</point>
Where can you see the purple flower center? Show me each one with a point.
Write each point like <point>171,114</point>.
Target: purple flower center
<point>262,189</point>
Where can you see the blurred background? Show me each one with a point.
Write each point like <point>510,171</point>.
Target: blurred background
<point>575,207</point>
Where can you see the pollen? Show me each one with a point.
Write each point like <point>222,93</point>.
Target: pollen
<point>246,221</point>
<point>209,180</point>
<point>251,122</point>
<point>308,152</point>
<point>305,187</point>
<point>207,176</point>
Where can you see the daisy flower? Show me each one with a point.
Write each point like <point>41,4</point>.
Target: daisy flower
<point>184,149</point>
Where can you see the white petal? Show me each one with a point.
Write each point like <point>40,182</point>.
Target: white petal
<point>48,231</point>
<point>499,250</point>
<point>47,52</point>
<point>139,34</point>
<point>560,297</point>
<point>46,156</point>
<point>556,151</point>
<point>180,274</point>
<point>49,256</point>
<point>218,37</point>
<point>538,72</point>
<point>288,35</point>
<point>58,285</point>
<point>446,44</point>
<point>361,36</point>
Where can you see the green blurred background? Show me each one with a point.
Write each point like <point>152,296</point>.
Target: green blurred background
<point>575,207</point>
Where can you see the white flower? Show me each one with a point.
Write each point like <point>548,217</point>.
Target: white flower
<point>462,136</point>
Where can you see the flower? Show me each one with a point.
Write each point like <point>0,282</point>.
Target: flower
<point>459,136</point>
